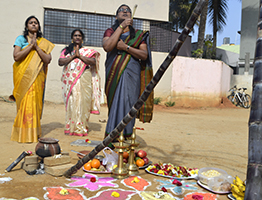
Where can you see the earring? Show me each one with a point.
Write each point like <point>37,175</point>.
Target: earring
<point>72,41</point>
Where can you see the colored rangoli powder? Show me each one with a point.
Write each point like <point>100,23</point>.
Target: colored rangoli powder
<point>206,196</point>
<point>139,185</point>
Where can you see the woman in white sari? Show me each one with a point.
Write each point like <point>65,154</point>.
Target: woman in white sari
<point>81,84</point>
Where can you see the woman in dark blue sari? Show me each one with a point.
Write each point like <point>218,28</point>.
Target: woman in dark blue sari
<point>128,59</point>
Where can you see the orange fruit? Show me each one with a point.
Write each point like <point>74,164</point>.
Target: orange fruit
<point>136,158</point>
<point>95,163</point>
<point>125,155</point>
<point>140,162</point>
<point>87,166</point>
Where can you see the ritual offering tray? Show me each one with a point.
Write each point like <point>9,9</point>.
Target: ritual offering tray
<point>230,196</point>
<point>216,191</point>
<point>169,170</point>
<point>208,174</point>
<point>95,166</point>
<point>97,171</point>
<point>215,180</point>
<point>146,165</point>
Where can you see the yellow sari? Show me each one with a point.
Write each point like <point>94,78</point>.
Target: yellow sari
<point>29,77</point>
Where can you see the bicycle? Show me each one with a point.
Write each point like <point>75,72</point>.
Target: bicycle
<point>239,98</point>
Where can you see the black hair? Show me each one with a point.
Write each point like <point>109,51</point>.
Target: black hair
<point>25,33</point>
<point>70,47</point>
<point>116,24</point>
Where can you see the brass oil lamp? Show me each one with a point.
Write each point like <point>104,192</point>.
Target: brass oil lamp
<point>131,166</point>
<point>120,171</point>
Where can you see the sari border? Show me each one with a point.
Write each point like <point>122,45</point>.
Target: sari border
<point>45,45</point>
<point>119,65</point>
<point>74,82</point>
<point>79,74</point>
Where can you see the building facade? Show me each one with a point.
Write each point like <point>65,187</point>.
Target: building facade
<point>59,17</point>
<point>249,20</point>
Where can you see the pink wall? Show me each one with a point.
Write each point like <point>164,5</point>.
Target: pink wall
<point>199,82</point>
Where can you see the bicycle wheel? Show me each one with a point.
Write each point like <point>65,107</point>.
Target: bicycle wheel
<point>230,97</point>
<point>246,101</point>
<point>233,99</point>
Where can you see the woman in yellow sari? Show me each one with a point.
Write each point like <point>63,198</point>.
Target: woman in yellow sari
<point>31,55</point>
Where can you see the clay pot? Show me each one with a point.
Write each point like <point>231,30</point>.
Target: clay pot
<point>47,147</point>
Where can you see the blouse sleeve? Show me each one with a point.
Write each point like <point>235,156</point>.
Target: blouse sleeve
<point>19,41</point>
<point>108,32</point>
<point>62,54</point>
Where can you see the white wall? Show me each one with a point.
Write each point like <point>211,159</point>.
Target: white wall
<point>147,9</point>
<point>226,76</point>
<point>199,82</point>
<point>243,81</point>
<point>13,14</point>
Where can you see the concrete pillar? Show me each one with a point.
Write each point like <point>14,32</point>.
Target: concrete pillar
<point>247,63</point>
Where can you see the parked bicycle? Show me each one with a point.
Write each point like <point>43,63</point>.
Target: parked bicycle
<point>239,98</point>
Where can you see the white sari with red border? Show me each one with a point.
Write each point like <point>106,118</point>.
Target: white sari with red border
<point>81,92</point>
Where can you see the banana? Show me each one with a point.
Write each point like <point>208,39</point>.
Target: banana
<point>239,181</point>
<point>235,189</point>
<point>242,188</point>
<point>240,184</point>
<point>236,196</point>
<point>239,198</point>
<point>238,188</point>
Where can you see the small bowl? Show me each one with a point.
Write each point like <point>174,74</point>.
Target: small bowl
<point>205,179</point>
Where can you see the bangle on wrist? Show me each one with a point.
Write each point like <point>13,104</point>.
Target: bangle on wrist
<point>121,27</point>
<point>127,48</point>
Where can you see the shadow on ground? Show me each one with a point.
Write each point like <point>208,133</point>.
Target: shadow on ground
<point>47,128</point>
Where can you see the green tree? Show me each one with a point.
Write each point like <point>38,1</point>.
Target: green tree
<point>217,11</point>
<point>202,29</point>
<point>180,11</point>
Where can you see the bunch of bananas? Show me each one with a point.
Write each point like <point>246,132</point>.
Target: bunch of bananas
<point>238,188</point>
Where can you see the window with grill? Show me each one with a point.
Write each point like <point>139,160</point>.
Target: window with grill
<point>58,25</point>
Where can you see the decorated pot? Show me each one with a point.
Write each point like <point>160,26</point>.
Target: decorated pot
<point>47,147</point>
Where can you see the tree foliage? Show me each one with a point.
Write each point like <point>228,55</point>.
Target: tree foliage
<point>180,10</point>
<point>217,12</point>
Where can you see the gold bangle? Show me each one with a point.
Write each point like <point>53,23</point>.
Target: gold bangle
<point>121,27</point>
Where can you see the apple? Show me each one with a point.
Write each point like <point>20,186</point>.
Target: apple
<point>135,153</point>
<point>141,153</point>
<point>125,160</point>
<point>146,160</point>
